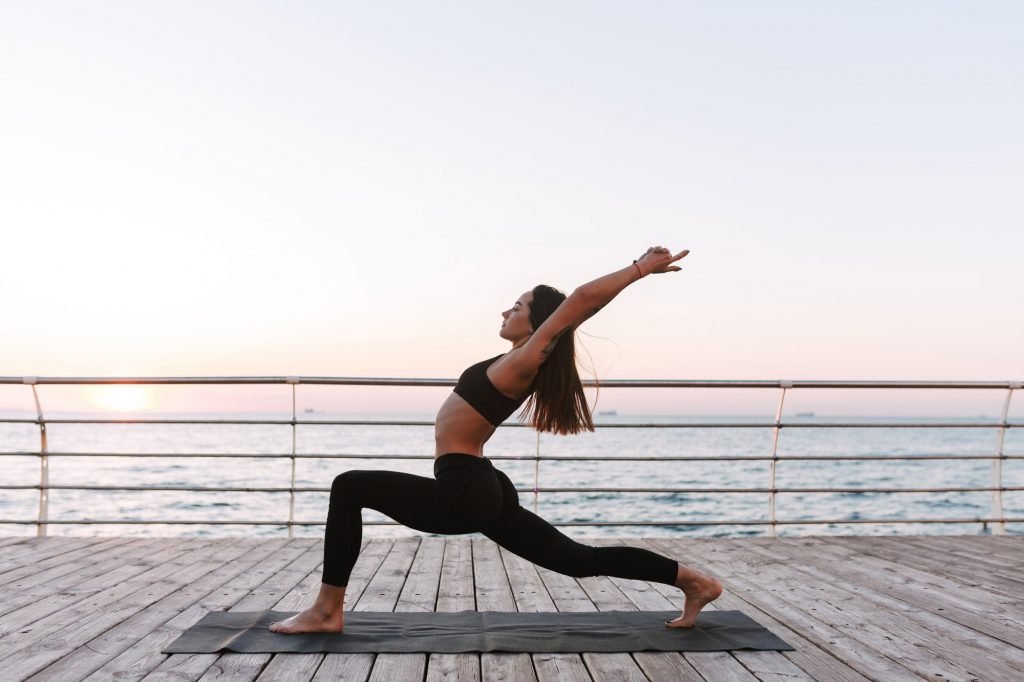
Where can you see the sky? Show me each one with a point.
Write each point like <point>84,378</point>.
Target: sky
<point>360,188</point>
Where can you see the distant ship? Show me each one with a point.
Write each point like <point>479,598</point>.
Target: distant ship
<point>309,410</point>
<point>805,414</point>
<point>608,413</point>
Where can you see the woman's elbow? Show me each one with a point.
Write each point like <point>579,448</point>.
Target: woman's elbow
<point>584,296</point>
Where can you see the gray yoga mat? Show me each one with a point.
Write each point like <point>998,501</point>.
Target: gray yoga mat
<point>473,631</point>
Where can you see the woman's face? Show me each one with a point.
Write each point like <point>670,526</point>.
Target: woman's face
<point>516,325</point>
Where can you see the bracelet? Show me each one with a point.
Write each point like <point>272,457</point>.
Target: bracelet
<point>638,270</point>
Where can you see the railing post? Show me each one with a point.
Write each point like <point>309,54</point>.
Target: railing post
<point>44,463</point>
<point>772,529</point>
<point>999,525</point>
<point>291,488</point>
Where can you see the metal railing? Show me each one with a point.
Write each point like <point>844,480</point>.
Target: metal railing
<point>997,518</point>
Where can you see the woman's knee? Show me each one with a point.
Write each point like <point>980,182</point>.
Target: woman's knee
<point>345,484</point>
<point>580,561</point>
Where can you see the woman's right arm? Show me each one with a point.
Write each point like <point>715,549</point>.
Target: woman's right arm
<point>589,298</point>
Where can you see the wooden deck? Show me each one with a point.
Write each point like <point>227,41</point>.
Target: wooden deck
<point>855,608</point>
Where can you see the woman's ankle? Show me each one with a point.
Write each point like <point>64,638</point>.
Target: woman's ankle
<point>330,600</point>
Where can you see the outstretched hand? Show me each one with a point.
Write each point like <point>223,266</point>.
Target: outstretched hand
<point>658,259</point>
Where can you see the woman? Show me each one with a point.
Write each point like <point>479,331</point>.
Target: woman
<point>467,494</point>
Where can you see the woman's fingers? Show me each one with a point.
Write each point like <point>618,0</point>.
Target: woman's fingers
<point>667,266</point>
<point>659,252</point>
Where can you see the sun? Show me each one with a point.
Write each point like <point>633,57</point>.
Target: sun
<point>120,397</point>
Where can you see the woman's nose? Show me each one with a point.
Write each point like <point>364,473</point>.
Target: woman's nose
<point>505,314</point>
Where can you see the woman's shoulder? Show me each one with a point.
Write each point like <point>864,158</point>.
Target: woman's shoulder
<point>514,368</point>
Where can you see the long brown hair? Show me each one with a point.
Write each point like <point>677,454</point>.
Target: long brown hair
<point>557,404</point>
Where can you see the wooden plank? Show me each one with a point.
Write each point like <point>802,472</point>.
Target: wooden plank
<point>356,667</point>
<point>971,570</point>
<point>38,550</point>
<point>348,667</point>
<point>455,588</point>
<point>872,600</point>
<point>491,585</point>
<point>293,667</point>
<point>816,663</point>
<point>774,662</point>
<point>34,574</point>
<point>568,595</point>
<point>493,593</point>
<point>398,668</point>
<point>942,570</point>
<point>239,667</point>
<point>418,593</point>
<point>232,666</point>
<point>771,666</point>
<point>41,570</point>
<point>528,590</point>
<point>382,595</point>
<point>9,542</point>
<point>532,596</point>
<point>455,593</point>
<point>610,667</point>
<point>657,666</point>
<point>290,668</point>
<point>958,595</point>
<point>850,649</point>
<point>462,667</point>
<point>280,583</point>
<point>227,561</point>
<point>177,667</point>
<point>746,595</point>
<point>990,549</point>
<point>719,666</point>
<point>145,655</point>
<point>943,647</point>
<point>968,564</point>
<point>104,610</point>
<point>27,601</point>
<point>985,549</point>
<point>873,629</point>
<point>565,592</point>
<point>268,596</point>
<point>41,549</point>
<point>620,594</point>
<point>560,667</point>
<point>78,596</point>
<point>977,609</point>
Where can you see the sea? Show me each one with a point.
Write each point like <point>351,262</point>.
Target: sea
<point>630,490</point>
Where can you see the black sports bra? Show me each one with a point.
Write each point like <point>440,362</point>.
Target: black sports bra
<point>477,390</point>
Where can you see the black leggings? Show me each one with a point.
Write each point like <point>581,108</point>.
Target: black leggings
<point>468,495</point>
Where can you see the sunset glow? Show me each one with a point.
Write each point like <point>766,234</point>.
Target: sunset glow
<point>120,398</point>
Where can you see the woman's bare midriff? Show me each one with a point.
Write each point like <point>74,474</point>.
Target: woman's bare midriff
<point>460,428</point>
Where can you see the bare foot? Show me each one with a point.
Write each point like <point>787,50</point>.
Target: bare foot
<point>327,614</point>
<point>311,620</point>
<point>700,590</point>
